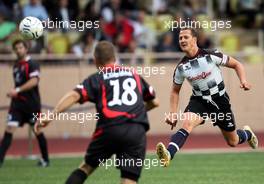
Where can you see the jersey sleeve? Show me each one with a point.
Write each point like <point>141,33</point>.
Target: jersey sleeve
<point>219,58</point>
<point>86,91</point>
<point>34,70</point>
<point>178,77</point>
<point>147,91</point>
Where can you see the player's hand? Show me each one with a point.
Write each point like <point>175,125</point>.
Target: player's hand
<point>245,85</point>
<point>12,93</point>
<point>171,120</point>
<point>40,124</point>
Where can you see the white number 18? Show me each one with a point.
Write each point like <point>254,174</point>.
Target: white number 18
<point>129,85</point>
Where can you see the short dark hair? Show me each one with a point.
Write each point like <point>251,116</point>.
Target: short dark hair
<point>194,33</point>
<point>104,52</point>
<point>18,42</point>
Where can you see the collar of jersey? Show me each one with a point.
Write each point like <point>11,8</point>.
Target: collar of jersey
<point>24,60</point>
<point>197,53</point>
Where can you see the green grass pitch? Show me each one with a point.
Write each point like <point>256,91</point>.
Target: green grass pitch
<point>228,168</point>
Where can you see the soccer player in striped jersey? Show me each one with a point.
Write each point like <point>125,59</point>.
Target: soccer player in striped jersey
<point>209,99</point>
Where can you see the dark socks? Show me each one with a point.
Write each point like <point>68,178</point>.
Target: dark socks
<point>43,146</point>
<point>5,144</point>
<point>76,177</point>
<point>177,141</point>
<point>244,135</point>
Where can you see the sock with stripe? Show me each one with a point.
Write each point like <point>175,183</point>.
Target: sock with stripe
<point>177,141</point>
<point>244,135</point>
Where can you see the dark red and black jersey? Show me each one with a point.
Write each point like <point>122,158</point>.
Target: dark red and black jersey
<point>119,95</point>
<point>28,100</point>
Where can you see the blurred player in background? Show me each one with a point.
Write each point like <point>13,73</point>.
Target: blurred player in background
<point>201,68</point>
<point>119,95</point>
<point>25,101</point>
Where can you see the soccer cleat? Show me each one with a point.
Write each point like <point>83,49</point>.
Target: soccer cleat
<point>163,154</point>
<point>253,142</point>
<point>42,163</point>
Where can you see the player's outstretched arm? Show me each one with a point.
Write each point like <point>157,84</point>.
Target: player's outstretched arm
<point>240,70</point>
<point>25,87</point>
<point>174,102</point>
<point>68,100</point>
<point>152,104</point>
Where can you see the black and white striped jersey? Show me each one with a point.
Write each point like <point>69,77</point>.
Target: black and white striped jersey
<point>203,73</point>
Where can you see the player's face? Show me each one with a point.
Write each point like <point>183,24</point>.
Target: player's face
<point>20,50</point>
<point>186,40</point>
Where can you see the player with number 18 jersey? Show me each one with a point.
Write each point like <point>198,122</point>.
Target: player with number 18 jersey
<point>118,93</point>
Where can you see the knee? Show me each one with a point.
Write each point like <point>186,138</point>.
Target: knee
<point>87,169</point>
<point>232,142</point>
<point>188,126</point>
<point>127,181</point>
<point>10,129</point>
<point>37,133</point>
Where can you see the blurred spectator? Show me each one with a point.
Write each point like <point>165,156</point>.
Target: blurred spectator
<point>250,9</point>
<point>222,8</point>
<point>159,6</point>
<point>9,3</point>
<point>119,31</point>
<point>36,9</point>
<point>188,10</point>
<point>132,48</point>
<point>124,32</point>
<point>58,43</point>
<point>62,12</point>
<point>130,5</point>
<point>100,33</point>
<point>109,9</point>
<point>7,7</point>
<point>166,44</point>
<point>6,30</point>
<point>85,45</point>
<point>141,32</point>
<point>176,32</point>
<point>90,13</point>
<point>204,41</point>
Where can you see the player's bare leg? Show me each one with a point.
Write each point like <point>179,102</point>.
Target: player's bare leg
<point>79,175</point>
<point>240,136</point>
<point>191,120</point>
<point>6,142</point>
<point>127,181</point>
<point>87,168</point>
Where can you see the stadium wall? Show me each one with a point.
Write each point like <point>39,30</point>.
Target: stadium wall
<point>56,80</point>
